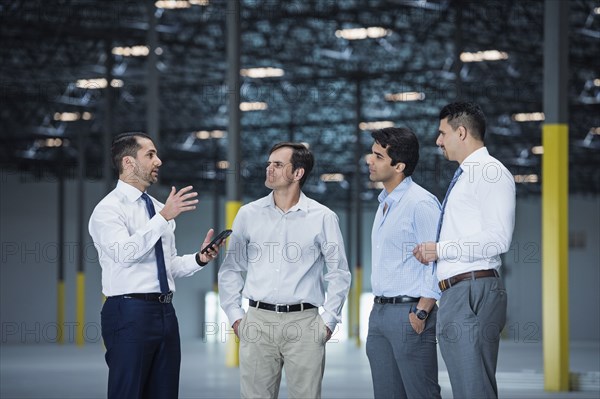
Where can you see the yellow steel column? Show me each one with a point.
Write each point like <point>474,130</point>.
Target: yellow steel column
<point>79,337</point>
<point>555,197</point>
<point>60,311</point>
<point>232,355</point>
<point>555,267</point>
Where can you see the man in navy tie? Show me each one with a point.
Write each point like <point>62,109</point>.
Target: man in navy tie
<point>134,236</point>
<point>475,228</point>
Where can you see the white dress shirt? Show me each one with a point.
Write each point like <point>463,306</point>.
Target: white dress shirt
<point>412,216</point>
<point>124,237</point>
<point>284,254</point>
<point>479,217</point>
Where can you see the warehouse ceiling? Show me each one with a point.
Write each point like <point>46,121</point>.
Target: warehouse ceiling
<point>416,49</point>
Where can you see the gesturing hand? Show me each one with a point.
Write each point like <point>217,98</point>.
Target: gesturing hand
<point>178,202</point>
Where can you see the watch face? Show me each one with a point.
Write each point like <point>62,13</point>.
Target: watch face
<point>421,314</point>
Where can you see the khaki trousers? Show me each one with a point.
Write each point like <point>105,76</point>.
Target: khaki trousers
<point>271,341</point>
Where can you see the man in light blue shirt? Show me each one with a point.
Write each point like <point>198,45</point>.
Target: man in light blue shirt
<point>401,343</point>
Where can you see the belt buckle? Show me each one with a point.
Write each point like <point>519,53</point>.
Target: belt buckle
<point>165,298</point>
<point>279,312</point>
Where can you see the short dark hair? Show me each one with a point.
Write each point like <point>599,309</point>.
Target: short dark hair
<point>401,145</point>
<point>301,157</point>
<point>125,145</point>
<point>467,114</point>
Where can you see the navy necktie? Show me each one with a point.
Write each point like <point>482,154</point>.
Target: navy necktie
<point>160,256</point>
<point>439,228</point>
<point>452,183</point>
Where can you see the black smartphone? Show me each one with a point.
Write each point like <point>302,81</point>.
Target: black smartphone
<point>217,240</point>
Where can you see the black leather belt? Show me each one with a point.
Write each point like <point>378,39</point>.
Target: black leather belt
<point>449,282</point>
<point>152,297</point>
<point>396,299</point>
<point>281,308</point>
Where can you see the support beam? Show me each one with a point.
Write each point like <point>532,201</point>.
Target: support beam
<point>60,296</point>
<point>152,109</point>
<point>81,231</point>
<point>107,130</point>
<point>555,192</point>
<point>357,189</point>
<point>234,181</point>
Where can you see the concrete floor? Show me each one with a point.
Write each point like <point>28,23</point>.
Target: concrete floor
<point>53,371</point>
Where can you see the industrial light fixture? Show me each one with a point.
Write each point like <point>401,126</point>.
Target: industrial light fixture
<point>597,10</point>
<point>375,125</point>
<point>52,142</point>
<point>261,73</point>
<point>97,83</point>
<point>205,134</point>
<point>131,51</point>
<point>253,106</point>
<point>223,164</point>
<point>373,32</point>
<point>172,4</point>
<point>332,177</point>
<point>487,55</point>
<point>537,150</point>
<point>406,96</point>
<point>597,82</point>
<point>524,179</point>
<point>72,116</point>
<point>528,117</point>
<point>178,4</point>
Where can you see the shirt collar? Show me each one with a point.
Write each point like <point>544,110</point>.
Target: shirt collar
<point>269,201</point>
<point>476,156</point>
<point>397,193</point>
<point>132,193</point>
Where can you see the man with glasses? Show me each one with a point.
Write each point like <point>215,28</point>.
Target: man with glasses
<point>282,243</point>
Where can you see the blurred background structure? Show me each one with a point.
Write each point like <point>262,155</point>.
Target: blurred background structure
<point>325,72</point>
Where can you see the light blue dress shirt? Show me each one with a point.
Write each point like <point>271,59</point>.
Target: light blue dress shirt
<point>411,218</point>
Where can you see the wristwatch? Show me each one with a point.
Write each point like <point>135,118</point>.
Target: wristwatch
<point>420,313</point>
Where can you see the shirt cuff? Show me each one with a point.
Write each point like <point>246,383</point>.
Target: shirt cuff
<point>235,314</point>
<point>199,262</point>
<point>329,322</point>
<point>430,294</point>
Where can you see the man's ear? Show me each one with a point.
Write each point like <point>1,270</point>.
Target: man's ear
<point>399,167</point>
<point>298,173</point>
<point>127,162</point>
<point>462,132</point>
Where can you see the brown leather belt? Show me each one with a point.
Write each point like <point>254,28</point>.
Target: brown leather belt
<point>449,282</point>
